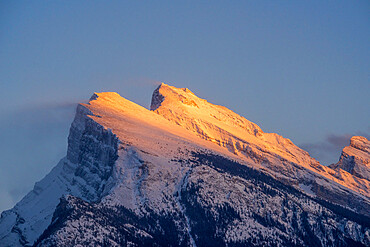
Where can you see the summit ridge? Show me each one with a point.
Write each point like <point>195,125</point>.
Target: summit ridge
<point>219,125</point>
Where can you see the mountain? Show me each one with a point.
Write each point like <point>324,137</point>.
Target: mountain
<point>355,158</point>
<point>185,173</point>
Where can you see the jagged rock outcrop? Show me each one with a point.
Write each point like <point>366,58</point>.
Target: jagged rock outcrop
<point>355,158</point>
<point>187,173</point>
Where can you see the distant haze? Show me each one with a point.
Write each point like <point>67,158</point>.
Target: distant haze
<point>299,69</point>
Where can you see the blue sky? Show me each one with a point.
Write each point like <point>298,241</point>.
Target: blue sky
<point>297,68</point>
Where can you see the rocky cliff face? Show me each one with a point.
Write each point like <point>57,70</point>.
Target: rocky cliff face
<point>355,158</point>
<point>92,151</point>
<point>94,148</point>
<point>187,173</point>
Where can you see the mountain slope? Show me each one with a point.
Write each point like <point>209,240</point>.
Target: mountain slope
<point>220,203</point>
<point>187,173</point>
<point>227,129</point>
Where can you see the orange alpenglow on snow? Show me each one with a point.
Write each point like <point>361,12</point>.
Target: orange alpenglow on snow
<point>178,117</point>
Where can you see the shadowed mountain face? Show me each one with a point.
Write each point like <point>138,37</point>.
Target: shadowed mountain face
<point>189,173</point>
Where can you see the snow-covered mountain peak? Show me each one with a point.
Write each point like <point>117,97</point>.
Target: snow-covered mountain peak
<point>171,102</point>
<point>182,117</point>
<point>172,95</point>
<point>229,130</point>
<point>164,176</point>
<point>136,125</point>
